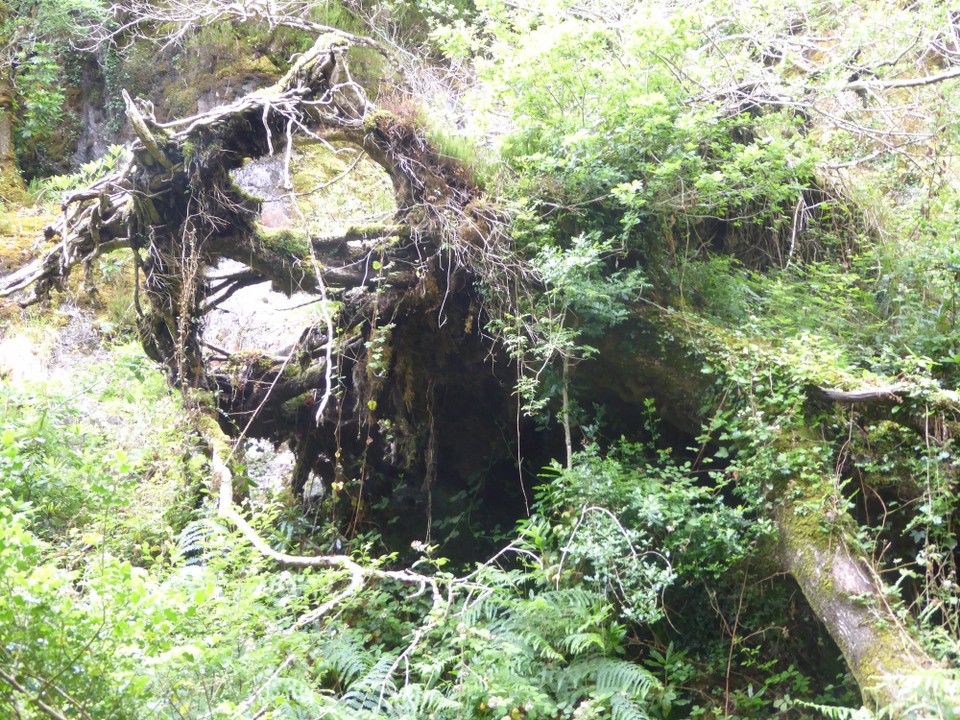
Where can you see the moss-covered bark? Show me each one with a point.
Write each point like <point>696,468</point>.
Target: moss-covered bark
<point>864,618</point>
<point>11,184</point>
<point>655,357</point>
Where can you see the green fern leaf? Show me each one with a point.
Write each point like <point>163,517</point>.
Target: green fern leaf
<point>581,643</point>
<point>347,659</point>
<point>373,693</point>
<point>834,712</point>
<point>623,709</point>
<point>609,675</point>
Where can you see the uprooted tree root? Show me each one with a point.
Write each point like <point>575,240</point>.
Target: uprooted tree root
<point>383,383</point>
<point>351,376</point>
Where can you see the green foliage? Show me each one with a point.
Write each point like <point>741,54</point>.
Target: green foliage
<point>40,40</point>
<point>47,463</point>
<point>706,160</point>
<point>87,174</point>
<point>112,617</point>
<point>55,20</point>
<point>58,648</point>
<point>633,522</point>
<point>42,98</point>
<point>606,136</point>
<point>581,298</point>
<point>68,502</point>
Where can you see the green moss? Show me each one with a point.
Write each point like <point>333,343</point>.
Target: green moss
<point>374,120</point>
<point>211,69</point>
<point>20,230</point>
<point>291,408</point>
<point>188,149</point>
<point>364,231</point>
<point>370,67</point>
<point>295,243</point>
<point>11,187</point>
<point>249,197</point>
<point>813,531</point>
<point>362,192</point>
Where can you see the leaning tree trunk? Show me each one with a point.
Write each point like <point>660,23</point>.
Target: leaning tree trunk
<point>658,357</point>
<point>884,656</point>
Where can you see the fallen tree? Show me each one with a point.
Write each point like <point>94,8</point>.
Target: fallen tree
<point>404,287</point>
<point>406,345</point>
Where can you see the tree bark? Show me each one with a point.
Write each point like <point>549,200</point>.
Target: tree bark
<point>11,184</point>
<point>893,670</point>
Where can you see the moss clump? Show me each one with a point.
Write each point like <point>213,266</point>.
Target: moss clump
<point>282,241</point>
<point>11,187</point>
<point>377,120</point>
<point>363,232</point>
<point>364,191</point>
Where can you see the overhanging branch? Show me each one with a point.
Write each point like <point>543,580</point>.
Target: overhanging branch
<point>896,393</point>
<point>873,84</point>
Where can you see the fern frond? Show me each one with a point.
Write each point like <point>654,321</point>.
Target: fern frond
<point>568,601</point>
<point>482,611</point>
<point>835,712</point>
<point>366,704</point>
<point>580,643</point>
<point>194,540</point>
<point>520,639</point>
<point>611,675</point>
<point>346,658</point>
<point>624,709</point>
<point>373,693</point>
<point>417,701</point>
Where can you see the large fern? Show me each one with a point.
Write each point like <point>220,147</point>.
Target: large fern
<point>610,675</point>
<point>196,539</point>
<point>347,659</point>
<point>415,701</point>
<point>626,686</point>
<point>372,694</point>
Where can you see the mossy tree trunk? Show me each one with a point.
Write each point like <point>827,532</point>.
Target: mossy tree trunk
<point>657,357</point>
<point>841,585</point>
<point>11,184</point>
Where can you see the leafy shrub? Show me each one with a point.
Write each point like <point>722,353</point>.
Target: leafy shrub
<point>638,522</point>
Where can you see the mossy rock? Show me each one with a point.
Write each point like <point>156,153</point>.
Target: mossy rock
<point>364,194</point>
<point>20,233</point>
<point>211,64</point>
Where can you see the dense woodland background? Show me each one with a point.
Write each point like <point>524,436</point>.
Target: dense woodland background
<point>491,359</point>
